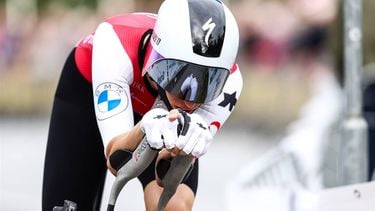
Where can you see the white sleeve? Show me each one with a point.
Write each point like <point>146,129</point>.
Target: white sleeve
<point>112,73</point>
<point>216,112</point>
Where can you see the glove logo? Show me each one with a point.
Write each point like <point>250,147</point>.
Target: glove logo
<point>160,116</point>
<point>201,126</point>
<point>111,99</point>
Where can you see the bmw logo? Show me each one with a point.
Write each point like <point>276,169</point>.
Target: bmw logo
<point>111,99</point>
<point>108,100</point>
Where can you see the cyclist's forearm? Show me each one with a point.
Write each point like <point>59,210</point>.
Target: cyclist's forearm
<point>128,141</point>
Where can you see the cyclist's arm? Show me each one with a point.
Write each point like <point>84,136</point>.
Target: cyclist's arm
<point>112,72</point>
<point>216,112</point>
<point>128,140</point>
<point>213,115</point>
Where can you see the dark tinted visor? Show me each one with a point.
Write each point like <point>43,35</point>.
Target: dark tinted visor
<point>187,81</point>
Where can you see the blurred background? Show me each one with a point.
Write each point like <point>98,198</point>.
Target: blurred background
<point>291,58</point>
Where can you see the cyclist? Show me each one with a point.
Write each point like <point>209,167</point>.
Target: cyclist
<point>103,103</point>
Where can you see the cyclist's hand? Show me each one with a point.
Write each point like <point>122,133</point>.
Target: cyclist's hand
<point>195,137</point>
<point>160,130</point>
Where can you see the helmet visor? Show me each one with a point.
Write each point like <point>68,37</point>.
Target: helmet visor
<point>187,81</point>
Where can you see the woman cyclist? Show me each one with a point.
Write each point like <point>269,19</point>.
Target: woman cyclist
<point>184,55</point>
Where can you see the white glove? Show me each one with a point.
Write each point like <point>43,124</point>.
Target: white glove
<point>195,138</point>
<point>160,131</point>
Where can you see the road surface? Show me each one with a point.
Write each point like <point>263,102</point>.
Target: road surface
<point>22,148</point>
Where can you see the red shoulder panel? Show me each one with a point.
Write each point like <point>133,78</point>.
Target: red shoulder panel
<point>83,57</point>
<point>129,29</point>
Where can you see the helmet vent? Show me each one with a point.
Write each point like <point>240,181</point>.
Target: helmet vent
<point>207,27</point>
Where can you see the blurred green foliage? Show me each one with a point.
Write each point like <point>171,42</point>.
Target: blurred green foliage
<point>42,4</point>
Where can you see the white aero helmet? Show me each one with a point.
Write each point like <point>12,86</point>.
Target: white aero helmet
<point>192,49</point>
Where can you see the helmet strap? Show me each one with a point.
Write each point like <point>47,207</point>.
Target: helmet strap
<point>141,57</point>
<point>164,98</point>
<point>142,47</point>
